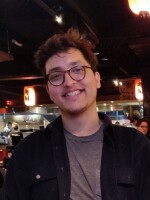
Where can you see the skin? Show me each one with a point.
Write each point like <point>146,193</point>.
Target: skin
<point>135,122</point>
<point>143,129</point>
<point>9,126</point>
<point>76,99</point>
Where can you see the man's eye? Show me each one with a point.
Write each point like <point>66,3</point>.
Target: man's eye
<point>77,69</point>
<point>55,76</point>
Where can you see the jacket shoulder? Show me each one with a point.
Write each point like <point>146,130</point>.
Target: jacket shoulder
<point>130,137</point>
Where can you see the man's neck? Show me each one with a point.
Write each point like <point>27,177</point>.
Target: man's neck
<point>82,125</point>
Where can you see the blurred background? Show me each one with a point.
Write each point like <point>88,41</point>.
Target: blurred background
<point>121,38</point>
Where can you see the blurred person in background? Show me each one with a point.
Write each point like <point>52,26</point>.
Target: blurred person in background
<point>16,136</point>
<point>8,128</point>
<point>134,121</point>
<point>143,126</point>
<point>5,135</point>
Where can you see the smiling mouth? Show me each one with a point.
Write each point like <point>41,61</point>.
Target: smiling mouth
<point>73,93</point>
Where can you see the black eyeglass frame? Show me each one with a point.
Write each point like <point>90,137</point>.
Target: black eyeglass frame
<point>67,71</point>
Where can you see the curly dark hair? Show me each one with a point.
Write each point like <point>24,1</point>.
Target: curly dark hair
<point>61,43</point>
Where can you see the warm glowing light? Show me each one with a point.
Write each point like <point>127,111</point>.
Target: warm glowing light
<point>29,96</point>
<point>9,102</point>
<point>117,83</point>
<point>3,111</point>
<point>140,6</point>
<point>138,89</point>
<point>58,19</point>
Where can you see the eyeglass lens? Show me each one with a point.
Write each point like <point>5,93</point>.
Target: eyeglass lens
<point>76,73</point>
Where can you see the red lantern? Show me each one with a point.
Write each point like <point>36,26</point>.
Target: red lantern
<point>29,96</point>
<point>138,89</point>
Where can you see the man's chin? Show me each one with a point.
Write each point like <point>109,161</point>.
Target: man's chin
<point>72,112</point>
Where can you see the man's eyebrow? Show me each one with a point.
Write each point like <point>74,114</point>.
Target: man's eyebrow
<point>55,69</point>
<point>75,62</point>
<point>60,68</point>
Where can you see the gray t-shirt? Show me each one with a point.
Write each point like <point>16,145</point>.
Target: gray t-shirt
<point>85,162</point>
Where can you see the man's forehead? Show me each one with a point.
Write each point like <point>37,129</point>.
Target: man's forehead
<point>72,57</point>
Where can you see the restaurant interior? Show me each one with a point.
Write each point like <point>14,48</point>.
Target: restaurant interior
<point>122,45</point>
<point>120,33</point>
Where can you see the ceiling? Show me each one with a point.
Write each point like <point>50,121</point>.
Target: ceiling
<point>122,39</point>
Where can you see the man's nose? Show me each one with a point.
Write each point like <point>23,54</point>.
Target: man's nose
<point>68,79</point>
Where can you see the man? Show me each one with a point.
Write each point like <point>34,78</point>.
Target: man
<point>8,129</point>
<point>80,155</point>
<point>143,125</point>
<point>16,136</point>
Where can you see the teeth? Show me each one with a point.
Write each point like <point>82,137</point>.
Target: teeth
<point>73,93</point>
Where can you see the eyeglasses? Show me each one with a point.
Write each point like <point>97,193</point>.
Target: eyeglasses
<point>144,127</point>
<point>57,78</point>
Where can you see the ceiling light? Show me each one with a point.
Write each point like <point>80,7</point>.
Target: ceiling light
<point>58,19</point>
<point>140,7</point>
<point>104,59</point>
<point>117,82</point>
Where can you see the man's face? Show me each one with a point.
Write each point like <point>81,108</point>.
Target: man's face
<point>9,126</point>
<point>73,97</point>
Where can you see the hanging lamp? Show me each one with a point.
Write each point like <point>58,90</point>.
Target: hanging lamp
<point>140,7</point>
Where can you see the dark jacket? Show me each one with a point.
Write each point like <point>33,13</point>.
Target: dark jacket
<point>39,168</point>
<point>1,179</point>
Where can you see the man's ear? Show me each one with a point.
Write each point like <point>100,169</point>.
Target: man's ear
<point>98,79</point>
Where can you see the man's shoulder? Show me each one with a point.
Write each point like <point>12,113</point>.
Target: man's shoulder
<point>124,131</point>
<point>117,132</point>
<point>37,135</point>
<point>44,135</point>
<point>32,143</point>
<point>129,135</point>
